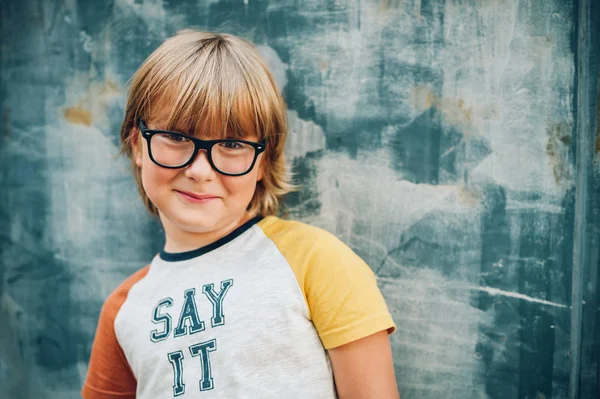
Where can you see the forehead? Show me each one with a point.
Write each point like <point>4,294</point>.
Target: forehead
<point>159,117</point>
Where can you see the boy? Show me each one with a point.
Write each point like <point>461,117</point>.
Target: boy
<point>239,303</point>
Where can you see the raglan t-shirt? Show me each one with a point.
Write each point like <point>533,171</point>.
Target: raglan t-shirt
<point>250,316</point>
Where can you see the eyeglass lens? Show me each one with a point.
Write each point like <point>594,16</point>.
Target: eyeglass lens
<point>229,157</point>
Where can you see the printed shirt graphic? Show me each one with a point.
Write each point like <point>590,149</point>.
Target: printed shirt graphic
<point>249,316</point>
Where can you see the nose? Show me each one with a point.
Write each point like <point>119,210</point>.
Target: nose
<point>200,168</point>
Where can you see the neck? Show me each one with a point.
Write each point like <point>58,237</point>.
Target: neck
<point>178,239</point>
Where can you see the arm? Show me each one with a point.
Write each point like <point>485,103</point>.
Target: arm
<point>364,368</point>
<point>346,307</point>
<point>109,375</point>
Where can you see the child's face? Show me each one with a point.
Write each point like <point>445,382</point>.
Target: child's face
<point>223,199</point>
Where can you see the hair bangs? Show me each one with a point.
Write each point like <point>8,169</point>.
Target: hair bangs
<point>210,96</point>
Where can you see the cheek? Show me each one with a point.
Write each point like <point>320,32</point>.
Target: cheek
<point>155,178</point>
<point>241,187</point>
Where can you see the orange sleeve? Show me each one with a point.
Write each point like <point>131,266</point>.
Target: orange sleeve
<point>109,375</point>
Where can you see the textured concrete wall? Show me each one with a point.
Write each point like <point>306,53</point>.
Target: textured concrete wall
<point>434,137</point>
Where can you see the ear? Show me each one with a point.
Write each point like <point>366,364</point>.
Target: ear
<point>136,147</point>
<point>261,168</point>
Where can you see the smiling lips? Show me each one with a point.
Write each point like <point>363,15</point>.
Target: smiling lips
<point>196,198</point>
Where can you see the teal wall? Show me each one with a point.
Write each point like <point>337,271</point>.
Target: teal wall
<point>451,143</point>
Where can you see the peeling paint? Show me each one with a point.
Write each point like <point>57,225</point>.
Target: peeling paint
<point>557,149</point>
<point>303,137</point>
<point>277,67</point>
<point>86,41</point>
<point>454,110</point>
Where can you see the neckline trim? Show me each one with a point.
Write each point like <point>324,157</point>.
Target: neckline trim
<point>181,256</point>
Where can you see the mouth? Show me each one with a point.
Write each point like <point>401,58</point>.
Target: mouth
<point>192,197</point>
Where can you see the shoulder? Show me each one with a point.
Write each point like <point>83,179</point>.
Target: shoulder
<point>291,236</point>
<point>316,256</point>
<point>115,300</point>
<point>340,289</point>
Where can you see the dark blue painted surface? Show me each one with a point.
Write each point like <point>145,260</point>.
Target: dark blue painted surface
<point>589,370</point>
<point>437,138</point>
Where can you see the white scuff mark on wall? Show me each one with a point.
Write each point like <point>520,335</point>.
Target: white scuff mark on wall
<point>80,197</point>
<point>338,63</point>
<point>447,285</point>
<point>86,41</point>
<point>518,205</point>
<point>154,15</point>
<point>303,137</point>
<point>496,291</point>
<point>367,185</point>
<point>277,67</point>
<point>153,9</point>
<point>515,167</point>
<point>93,197</point>
<point>524,71</point>
<point>499,79</point>
<point>437,336</point>
<point>345,68</point>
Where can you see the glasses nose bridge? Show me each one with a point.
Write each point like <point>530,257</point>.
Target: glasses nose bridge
<point>201,145</point>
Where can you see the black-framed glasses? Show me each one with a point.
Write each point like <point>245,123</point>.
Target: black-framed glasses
<point>175,150</point>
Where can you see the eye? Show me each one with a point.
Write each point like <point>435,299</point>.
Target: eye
<point>173,138</point>
<point>232,145</point>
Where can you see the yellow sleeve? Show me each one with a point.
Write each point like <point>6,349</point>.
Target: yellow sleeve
<point>340,289</point>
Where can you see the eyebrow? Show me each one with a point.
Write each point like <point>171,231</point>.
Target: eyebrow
<point>179,129</point>
<point>162,123</point>
<point>158,122</point>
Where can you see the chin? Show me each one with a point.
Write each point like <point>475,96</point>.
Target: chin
<point>196,225</point>
<point>202,222</point>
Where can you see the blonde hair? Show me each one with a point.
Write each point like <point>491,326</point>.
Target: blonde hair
<point>216,84</point>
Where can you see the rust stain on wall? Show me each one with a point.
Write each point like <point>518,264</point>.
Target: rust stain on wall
<point>386,5</point>
<point>111,87</point>
<point>78,116</point>
<point>557,149</point>
<point>324,65</point>
<point>456,111</point>
<point>93,104</point>
<point>469,196</point>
